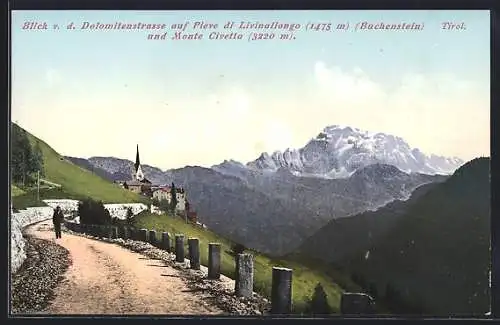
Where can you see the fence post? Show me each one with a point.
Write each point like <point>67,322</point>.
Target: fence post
<point>114,232</point>
<point>165,241</point>
<point>356,304</point>
<point>121,231</point>
<point>214,261</point>
<point>281,291</point>
<point>109,231</point>
<point>179,248</point>
<point>143,235</point>
<point>244,275</point>
<point>102,231</point>
<point>152,237</point>
<point>194,253</point>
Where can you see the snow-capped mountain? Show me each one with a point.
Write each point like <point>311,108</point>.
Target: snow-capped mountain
<point>338,151</point>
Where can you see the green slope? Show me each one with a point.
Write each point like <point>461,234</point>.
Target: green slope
<point>16,191</point>
<point>304,277</point>
<point>436,254</point>
<point>77,183</point>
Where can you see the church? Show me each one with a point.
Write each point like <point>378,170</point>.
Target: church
<point>138,183</point>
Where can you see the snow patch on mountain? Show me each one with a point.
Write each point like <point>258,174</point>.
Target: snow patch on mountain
<point>338,151</point>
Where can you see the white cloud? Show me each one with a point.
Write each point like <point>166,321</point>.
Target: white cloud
<point>437,113</point>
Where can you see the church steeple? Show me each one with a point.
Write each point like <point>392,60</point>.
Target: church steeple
<point>137,160</point>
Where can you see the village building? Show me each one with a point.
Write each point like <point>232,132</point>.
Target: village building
<point>138,183</point>
<point>165,194</point>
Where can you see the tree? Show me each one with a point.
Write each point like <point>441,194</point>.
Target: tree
<point>23,160</point>
<point>372,290</point>
<point>93,213</point>
<point>37,159</point>
<point>130,216</point>
<point>318,305</point>
<point>162,204</point>
<point>236,249</point>
<point>173,198</point>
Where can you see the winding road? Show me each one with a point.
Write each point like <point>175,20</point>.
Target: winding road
<point>105,278</point>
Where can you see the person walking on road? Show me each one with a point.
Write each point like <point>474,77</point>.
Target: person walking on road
<point>57,219</point>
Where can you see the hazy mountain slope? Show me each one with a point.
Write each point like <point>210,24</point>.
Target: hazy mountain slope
<point>347,236</point>
<point>84,163</point>
<point>228,206</point>
<point>436,254</point>
<point>121,169</point>
<point>274,212</point>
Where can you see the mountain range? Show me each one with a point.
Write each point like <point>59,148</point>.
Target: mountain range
<point>338,151</point>
<point>433,249</point>
<point>273,207</point>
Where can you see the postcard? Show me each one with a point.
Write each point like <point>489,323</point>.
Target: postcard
<point>250,163</point>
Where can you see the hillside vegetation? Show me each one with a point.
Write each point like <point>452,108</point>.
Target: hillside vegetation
<point>304,280</point>
<point>77,182</point>
<point>430,255</point>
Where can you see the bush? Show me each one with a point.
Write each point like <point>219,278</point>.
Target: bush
<point>130,217</point>
<point>318,305</point>
<point>92,212</point>
<point>237,249</point>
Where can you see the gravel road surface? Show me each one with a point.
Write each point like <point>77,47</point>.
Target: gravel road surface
<point>104,278</point>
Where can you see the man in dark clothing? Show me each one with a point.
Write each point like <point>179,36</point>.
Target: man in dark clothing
<point>57,219</point>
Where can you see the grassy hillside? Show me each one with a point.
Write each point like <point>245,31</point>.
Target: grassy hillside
<point>77,183</point>
<point>16,191</point>
<point>435,257</point>
<point>304,278</point>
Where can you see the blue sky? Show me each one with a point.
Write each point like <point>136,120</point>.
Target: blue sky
<point>200,102</point>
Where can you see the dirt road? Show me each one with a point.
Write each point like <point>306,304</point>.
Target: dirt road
<point>107,279</point>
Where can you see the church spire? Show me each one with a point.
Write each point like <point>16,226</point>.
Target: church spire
<point>137,160</point>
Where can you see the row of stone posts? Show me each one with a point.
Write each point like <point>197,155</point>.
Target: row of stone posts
<point>281,292</point>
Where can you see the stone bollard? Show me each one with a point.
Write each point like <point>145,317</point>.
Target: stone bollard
<point>281,291</point>
<point>104,231</point>
<point>214,261</point>
<point>152,237</point>
<point>109,232</point>
<point>120,231</point>
<point>114,232</point>
<point>179,248</point>
<point>194,253</point>
<point>356,304</point>
<point>143,235</point>
<point>126,233</point>
<point>244,275</point>
<point>165,241</point>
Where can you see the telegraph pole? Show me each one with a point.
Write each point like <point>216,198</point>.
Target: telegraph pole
<point>38,185</point>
